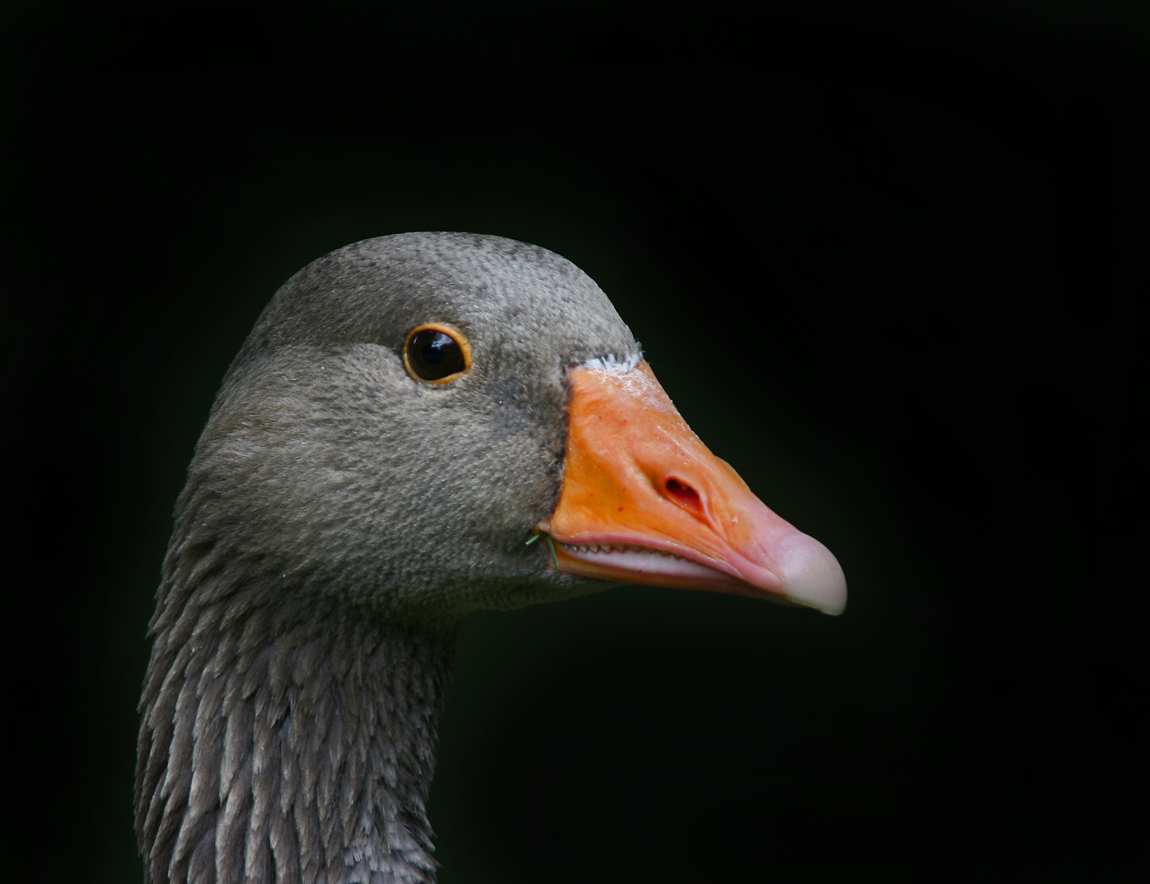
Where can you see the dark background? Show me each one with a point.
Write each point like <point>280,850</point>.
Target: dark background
<point>893,269</point>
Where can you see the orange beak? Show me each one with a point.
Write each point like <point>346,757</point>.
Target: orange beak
<point>644,501</point>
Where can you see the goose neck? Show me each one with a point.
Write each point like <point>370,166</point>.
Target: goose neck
<point>279,748</point>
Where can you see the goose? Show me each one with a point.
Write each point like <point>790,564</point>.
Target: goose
<point>418,426</point>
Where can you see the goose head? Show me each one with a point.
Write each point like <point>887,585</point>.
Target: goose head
<point>337,459</point>
<point>418,426</point>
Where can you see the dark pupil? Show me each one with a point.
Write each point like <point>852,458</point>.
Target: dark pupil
<point>435,355</point>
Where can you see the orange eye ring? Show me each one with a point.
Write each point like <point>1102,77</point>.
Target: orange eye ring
<point>435,353</point>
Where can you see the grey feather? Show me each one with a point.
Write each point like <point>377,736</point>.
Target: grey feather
<point>338,521</point>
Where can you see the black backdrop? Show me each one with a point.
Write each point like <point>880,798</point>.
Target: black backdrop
<point>892,269</point>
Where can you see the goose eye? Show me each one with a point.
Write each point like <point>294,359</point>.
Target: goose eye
<point>436,353</point>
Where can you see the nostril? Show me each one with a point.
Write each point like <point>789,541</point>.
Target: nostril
<point>684,495</point>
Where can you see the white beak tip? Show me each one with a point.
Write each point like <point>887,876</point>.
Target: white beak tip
<point>812,575</point>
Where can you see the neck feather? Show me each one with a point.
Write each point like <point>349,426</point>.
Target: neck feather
<point>281,746</point>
